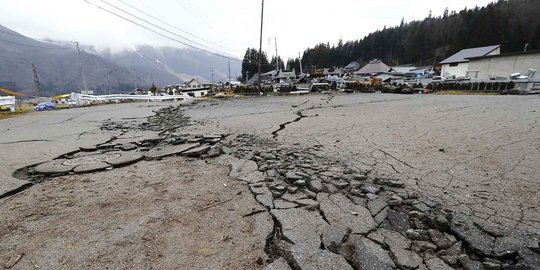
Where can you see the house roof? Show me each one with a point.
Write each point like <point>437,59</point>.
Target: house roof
<point>463,55</point>
<point>352,66</point>
<point>403,69</point>
<point>374,66</point>
<point>192,80</point>
<point>421,69</point>
<point>506,55</point>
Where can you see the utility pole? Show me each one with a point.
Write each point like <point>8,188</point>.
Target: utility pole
<point>229,71</point>
<point>277,59</point>
<point>260,45</point>
<point>213,76</point>
<point>300,59</point>
<point>36,80</point>
<point>82,68</point>
<point>109,83</point>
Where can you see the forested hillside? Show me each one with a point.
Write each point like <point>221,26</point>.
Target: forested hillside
<point>510,23</point>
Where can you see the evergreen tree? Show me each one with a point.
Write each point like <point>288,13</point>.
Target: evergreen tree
<point>294,64</point>
<point>153,89</point>
<point>511,23</point>
<point>250,64</point>
<point>273,63</point>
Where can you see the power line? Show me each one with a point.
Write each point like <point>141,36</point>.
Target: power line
<point>198,10</point>
<point>175,27</point>
<point>186,8</point>
<point>190,8</point>
<point>161,34</point>
<point>159,27</point>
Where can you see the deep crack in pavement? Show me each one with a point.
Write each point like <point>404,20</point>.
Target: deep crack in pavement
<point>275,133</point>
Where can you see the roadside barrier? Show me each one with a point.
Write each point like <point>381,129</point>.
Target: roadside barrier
<point>90,98</point>
<point>9,102</point>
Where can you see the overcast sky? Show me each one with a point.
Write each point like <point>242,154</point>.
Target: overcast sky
<point>230,24</point>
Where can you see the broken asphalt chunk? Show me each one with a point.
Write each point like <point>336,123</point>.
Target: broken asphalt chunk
<point>54,167</point>
<point>477,240</point>
<point>197,151</point>
<point>169,150</point>
<point>339,210</point>
<point>365,254</point>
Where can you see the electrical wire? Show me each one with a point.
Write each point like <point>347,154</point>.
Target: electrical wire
<point>175,27</point>
<point>198,10</point>
<point>190,8</point>
<point>190,11</point>
<point>158,33</point>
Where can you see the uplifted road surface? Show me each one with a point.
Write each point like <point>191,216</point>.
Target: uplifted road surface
<point>360,181</point>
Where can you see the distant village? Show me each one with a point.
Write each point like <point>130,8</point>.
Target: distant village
<point>482,69</point>
<point>474,69</point>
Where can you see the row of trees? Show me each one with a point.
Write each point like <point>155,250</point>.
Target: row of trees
<point>250,63</point>
<point>510,23</point>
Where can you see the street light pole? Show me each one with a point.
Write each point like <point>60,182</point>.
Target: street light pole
<point>260,45</point>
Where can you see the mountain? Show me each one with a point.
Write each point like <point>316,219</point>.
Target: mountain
<point>59,68</point>
<point>514,24</point>
<point>168,65</point>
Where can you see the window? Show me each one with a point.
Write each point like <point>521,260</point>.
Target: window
<point>454,64</point>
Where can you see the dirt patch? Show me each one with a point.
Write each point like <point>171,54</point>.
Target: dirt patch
<point>149,215</point>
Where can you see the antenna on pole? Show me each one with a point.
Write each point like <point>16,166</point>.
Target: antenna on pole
<point>277,59</point>
<point>300,59</point>
<point>260,45</point>
<point>82,67</point>
<point>36,80</point>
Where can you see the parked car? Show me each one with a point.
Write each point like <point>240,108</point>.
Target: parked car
<point>72,102</point>
<point>44,106</point>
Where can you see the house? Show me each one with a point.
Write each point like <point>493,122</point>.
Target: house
<point>375,66</point>
<point>193,84</point>
<point>265,77</point>
<point>286,74</point>
<point>192,88</point>
<point>351,67</point>
<point>457,65</point>
<point>503,66</point>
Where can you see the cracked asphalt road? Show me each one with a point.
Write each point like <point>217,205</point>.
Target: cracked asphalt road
<point>40,136</point>
<point>474,155</point>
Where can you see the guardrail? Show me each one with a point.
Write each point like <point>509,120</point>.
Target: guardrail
<point>81,97</point>
<point>9,102</point>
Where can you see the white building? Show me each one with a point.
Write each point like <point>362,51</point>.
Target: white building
<point>193,84</point>
<point>192,88</point>
<point>502,66</point>
<point>458,64</point>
